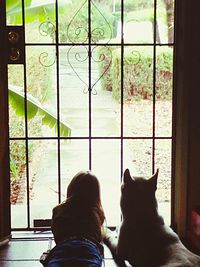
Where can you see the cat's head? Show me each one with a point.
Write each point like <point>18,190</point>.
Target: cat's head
<point>138,195</point>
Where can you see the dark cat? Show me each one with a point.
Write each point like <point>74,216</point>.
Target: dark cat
<point>144,240</point>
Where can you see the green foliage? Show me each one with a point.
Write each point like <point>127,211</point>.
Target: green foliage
<point>75,28</point>
<point>138,73</point>
<point>105,63</point>
<point>16,99</point>
<point>37,11</point>
<point>130,5</point>
<point>17,159</point>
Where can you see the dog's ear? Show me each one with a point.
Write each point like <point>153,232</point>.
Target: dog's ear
<point>153,180</point>
<point>127,177</point>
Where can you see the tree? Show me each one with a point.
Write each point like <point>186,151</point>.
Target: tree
<point>169,5</point>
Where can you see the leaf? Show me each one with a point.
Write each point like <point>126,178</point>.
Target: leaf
<point>41,10</point>
<point>17,98</point>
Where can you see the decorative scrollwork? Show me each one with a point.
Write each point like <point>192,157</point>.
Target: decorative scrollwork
<point>79,29</point>
<point>87,33</point>
<point>46,60</point>
<point>47,28</point>
<point>77,32</point>
<point>74,56</point>
<point>103,57</point>
<point>82,54</point>
<point>136,57</point>
<point>100,33</point>
<point>84,31</point>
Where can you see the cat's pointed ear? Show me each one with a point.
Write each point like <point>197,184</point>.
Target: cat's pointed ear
<point>153,180</point>
<point>127,176</point>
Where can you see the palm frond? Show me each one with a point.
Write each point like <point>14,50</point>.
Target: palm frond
<point>17,101</point>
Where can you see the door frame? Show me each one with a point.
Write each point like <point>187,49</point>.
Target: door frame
<point>180,142</point>
<point>5,218</point>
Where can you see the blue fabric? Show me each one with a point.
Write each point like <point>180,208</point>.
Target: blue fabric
<point>76,253</point>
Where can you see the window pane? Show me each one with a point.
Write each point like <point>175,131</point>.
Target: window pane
<point>74,96</point>
<point>40,22</point>
<point>105,98</point>
<point>74,158</point>
<point>163,162</point>
<point>165,21</point>
<point>14,13</point>
<point>138,21</point>
<point>43,178</point>
<point>41,90</point>
<point>138,157</point>
<point>164,75</point>
<point>106,165</point>
<point>16,101</point>
<point>138,91</point>
<point>18,183</point>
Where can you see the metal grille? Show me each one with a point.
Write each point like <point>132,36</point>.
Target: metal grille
<point>89,43</point>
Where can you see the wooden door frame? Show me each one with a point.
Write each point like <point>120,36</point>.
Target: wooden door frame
<point>5,218</point>
<point>186,143</point>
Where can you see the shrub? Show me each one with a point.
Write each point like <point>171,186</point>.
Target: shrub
<point>138,73</point>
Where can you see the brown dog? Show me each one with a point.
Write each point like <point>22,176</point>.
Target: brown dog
<point>144,240</point>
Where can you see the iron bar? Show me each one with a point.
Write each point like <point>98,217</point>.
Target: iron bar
<point>154,82</point>
<point>90,44</point>
<point>90,83</point>
<point>58,101</point>
<point>122,86</point>
<point>94,137</point>
<point>26,120</point>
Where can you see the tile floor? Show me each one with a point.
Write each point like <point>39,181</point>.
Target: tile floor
<point>25,250</point>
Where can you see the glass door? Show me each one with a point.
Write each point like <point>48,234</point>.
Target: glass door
<point>90,87</point>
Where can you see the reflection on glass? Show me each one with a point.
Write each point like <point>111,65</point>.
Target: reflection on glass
<point>163,163</point>
<point>43,178</point>
<point>41,84</point>
<point>18,195</point>
<point>106,165</point>
<point>138,91</point>
<point>164,76</point>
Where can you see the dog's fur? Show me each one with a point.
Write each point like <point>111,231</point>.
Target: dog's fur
<point>144,240</point>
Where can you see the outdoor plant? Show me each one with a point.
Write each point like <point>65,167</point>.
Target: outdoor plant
<point>138,73</point>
